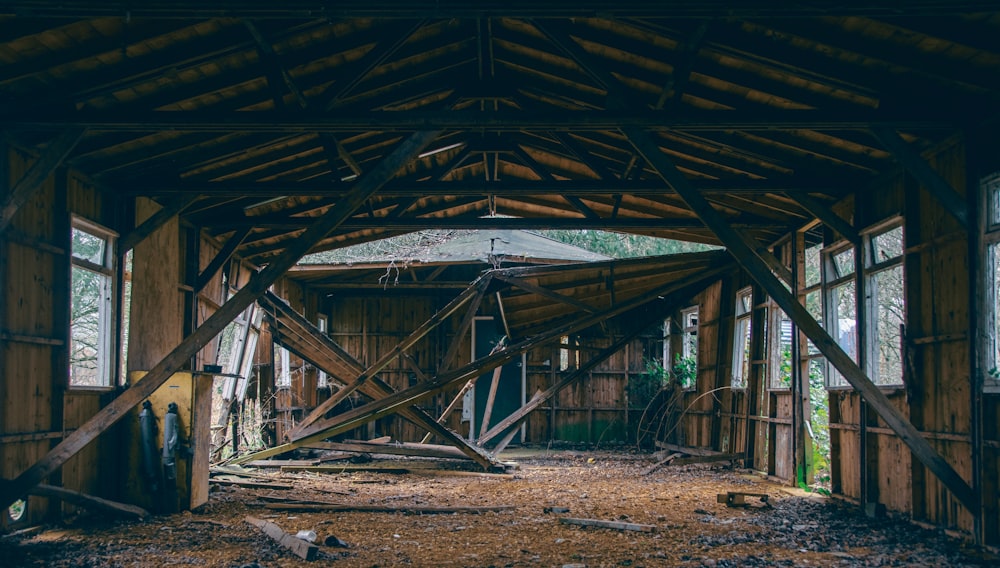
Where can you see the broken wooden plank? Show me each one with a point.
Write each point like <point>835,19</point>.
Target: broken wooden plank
<point>239,472</point>
<point>88,501</point>
<point>687,450</point>
<point>738,498</point>
<point>707,459</point>
<point>301,548</point>
<point>400,449</point>
<point>660,464</point>
<point>251,484</point>
<point>617,525</point>
<point>406,509</point>
<point>280,463</point>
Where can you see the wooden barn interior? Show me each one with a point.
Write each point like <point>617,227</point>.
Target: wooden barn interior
<point>166,166</point>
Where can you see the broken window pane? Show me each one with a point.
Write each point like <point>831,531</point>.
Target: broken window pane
<point>887,245</point>
<point>843,263</point>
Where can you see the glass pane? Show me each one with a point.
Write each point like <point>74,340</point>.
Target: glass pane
<point>888,245</point>
<point>89,307</point>
<point>995,194</point>
<point>995,368</point>
<point>888,294</point>
<point>782,377</point>
<point>741,353</point>
<point>744,301</point>
<point>88,247</point>
<point>843,326</point>
<point>814,305</point>
<point>812,261</point>
<point>843,263</point>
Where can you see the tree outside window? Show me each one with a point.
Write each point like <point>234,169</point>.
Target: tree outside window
<point>886,305</point>
<point>741,339</point>
<point>992,287</point>
<point>685,364</point>
<point>91,314</point>
<point>840,307</point>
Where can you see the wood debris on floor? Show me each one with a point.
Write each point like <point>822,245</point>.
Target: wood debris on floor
<point>670,517</point>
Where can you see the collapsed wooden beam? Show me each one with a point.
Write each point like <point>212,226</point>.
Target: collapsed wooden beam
<point>301,548</point>
<point>418,334</point>
<point>385,406</point>
<point>89,501</point>
<point>303,339</point>
<point>176,359</point>
<point>397,449</point>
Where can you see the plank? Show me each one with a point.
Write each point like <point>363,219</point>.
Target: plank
<point>406,509</point>
<point>490,400</point>
<point>617,525</point>
<point>181,355</point>
<point>88,501</point>
<point>302,549</point>
<point>251,484</point>
<point>686,450</point>
<point>404,449</point>
<point>660,464</point>
<point>707,459</point>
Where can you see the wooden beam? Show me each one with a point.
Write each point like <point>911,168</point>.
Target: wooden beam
<point>313,346</point>
<point>150,225</point>
<point>451,407</point>
<point>258,284</point>
<point>412,395</point>
<point>398,449</point>
<point>499,121</point>
<point>827,216</point>
<point>519,416</point>
<point>89,501</point>
<point>617,525</point>
<point>463,327</point>
<point>743,252</point>
<point>402,346</point>
<point>301,548</point>
<point>925,175</point>
<point>545,292</point>
<point>490,400</point>
<point>49,160</point>
<point>220,259</point>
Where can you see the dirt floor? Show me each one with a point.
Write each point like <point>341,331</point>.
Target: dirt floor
<point>690,527</point>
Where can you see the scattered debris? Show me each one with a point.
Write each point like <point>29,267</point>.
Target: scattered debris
<point>88,501</point>
<point>738,498</point>
<point>299,547</point>
<point>556,510</point>
<point>660,464</point>
<point>608,524</point>
<point>254,484</point>
<point>334,542</point>
<point>408,509</point>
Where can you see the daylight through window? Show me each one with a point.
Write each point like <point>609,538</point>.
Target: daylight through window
<point>91,313</point>
<point>992,287</point>
<point>741,339</point>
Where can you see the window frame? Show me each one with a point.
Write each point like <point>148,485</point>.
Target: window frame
<point>872,268</point>
<point>687,331</point>
<point>742,333</point>
<point>830,281</point>
<point>323,326</point>
<point>991,247</point>
<point>107,343</point>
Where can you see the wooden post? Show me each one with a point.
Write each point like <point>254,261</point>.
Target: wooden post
<point>257,285</point>
<point>490,400</point>
<point>977,354</point>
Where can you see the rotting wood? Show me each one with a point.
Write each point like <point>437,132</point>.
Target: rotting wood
<point>389,404</point>
<point>686,449</point>
<point>318,349</point>
<point>250,484</point>
<point>89,501</point>
<point>660,464</point>
<point>398,449</point>
<point>182,353</point>
<point>301,548</point>
<point>303,426</point>
<point>406,509</point>
<point>617,525</point>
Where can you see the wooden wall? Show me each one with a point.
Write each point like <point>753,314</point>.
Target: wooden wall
<point>37,407</point>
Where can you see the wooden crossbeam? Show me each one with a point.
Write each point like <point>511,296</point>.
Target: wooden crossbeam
<point>223,255</point>
<point>746,255</point>
<point>924,173</point>
<point>51,158</point>
<point>154,222</point>
<point>385,406</point>
<point>743,253</point>
<point>500,121</point>
<point>418,334</point>
<point>545,292</point>
<point>827,216</point>
<point>258,284</point>
<point>307,342</point>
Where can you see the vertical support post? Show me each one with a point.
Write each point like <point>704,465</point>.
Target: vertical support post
<point>800,371</point>
<point>867,444</point>
<point>756,382</point>
<point>62,301</point>
<point>977,353</point>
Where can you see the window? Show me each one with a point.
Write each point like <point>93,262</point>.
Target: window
<point>685,365</point>
<point>91,313</point>
<point>284,378</point>
<point>741,339</point>
<point>322,325</point>
<point>885,303</point>
<point>840,306</point>
<point>992,288</point>
<point>780,350</point>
